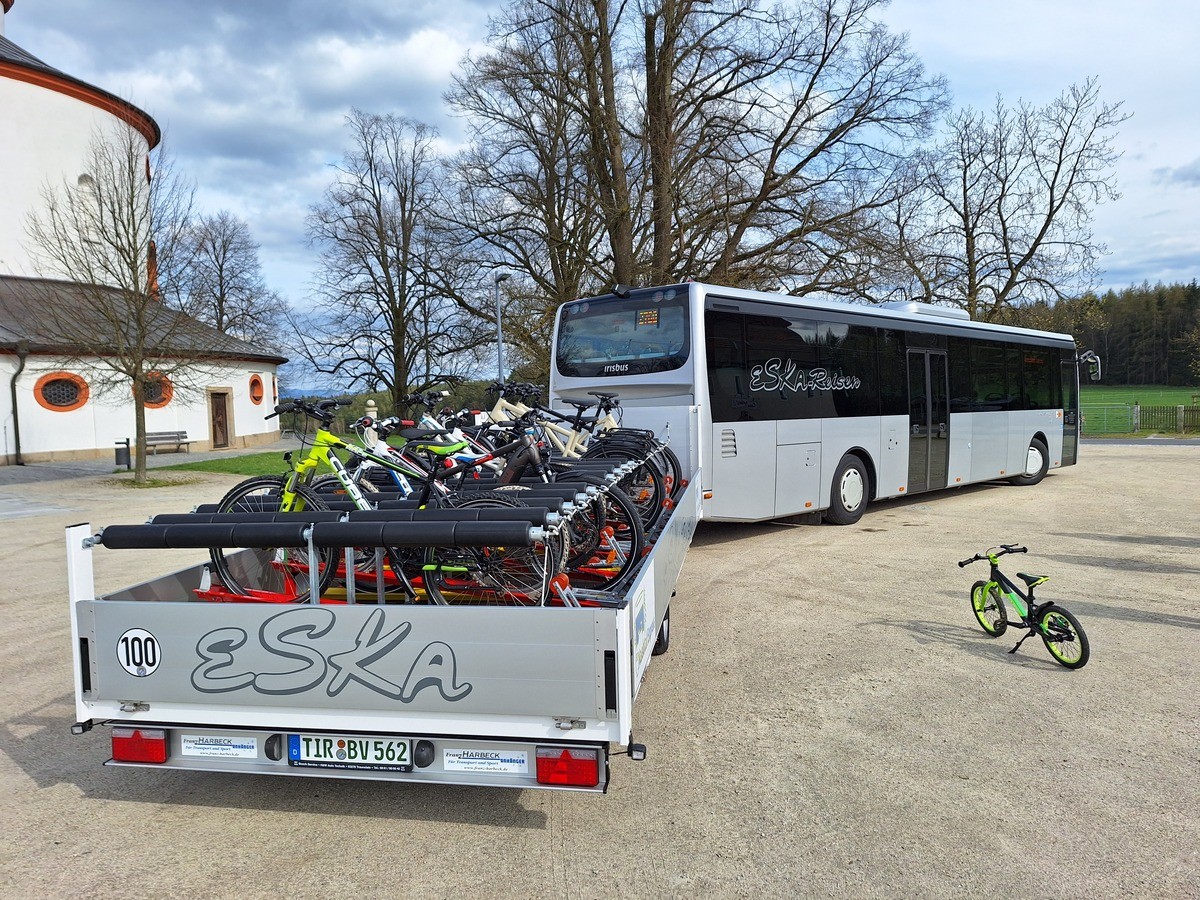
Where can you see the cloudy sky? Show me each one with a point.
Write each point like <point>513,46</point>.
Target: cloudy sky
<point>252,93</point>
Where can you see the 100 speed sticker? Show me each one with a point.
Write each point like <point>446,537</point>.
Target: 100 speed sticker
<point>138,652</point>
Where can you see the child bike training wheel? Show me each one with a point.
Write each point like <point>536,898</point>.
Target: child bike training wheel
<point>280,574</point>
<point>988,608</point>
<point>1063,636</point>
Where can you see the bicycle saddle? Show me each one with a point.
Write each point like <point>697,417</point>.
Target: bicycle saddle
<point>1032,580</point>
<point>603,396</point>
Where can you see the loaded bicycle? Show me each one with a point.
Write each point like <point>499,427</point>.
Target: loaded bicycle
<point>508,574</point>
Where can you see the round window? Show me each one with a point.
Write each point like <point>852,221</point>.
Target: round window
<point>157,391</point>
<point>256,389</point>
<point>61,391</point>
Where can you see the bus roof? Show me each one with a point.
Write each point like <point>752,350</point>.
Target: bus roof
<point>937,319</point>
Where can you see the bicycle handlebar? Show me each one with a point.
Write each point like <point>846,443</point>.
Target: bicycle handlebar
<point>322,410</point>
<point>1002,550</point>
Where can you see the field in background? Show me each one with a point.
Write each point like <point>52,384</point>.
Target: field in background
<point>1145,409</point>
<point>1146,395</point>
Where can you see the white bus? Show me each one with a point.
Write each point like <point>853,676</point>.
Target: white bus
<point>791,405</point>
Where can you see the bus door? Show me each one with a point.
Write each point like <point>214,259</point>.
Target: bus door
<point>1071,423</point>
<point>928,421</point>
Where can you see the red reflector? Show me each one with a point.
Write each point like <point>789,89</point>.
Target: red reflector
<point>148,745</point>
<point>574,766</point>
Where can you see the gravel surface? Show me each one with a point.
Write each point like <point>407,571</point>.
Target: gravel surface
<point>829,721</point>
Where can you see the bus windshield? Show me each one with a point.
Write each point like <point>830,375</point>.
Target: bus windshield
<point>645,332</point>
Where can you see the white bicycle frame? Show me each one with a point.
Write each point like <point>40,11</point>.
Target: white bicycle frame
<point>569,442</point>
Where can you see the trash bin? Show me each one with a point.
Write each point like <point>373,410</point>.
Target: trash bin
<point>121,451</point>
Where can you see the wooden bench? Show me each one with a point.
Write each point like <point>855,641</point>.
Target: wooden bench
<point>177,440</point>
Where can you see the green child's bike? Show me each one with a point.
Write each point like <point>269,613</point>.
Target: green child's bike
<point>1059,630</point>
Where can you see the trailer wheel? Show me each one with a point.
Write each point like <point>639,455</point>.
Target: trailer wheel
<point>663,641</point>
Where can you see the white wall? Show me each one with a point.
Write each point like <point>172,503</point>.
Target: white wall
<point>108,416</point>
<point>46,137</point>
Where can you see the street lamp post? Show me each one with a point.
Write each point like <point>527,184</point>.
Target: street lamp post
<point>499,277</point>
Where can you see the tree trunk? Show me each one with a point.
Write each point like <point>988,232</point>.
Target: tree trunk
<point>139,430</point>
<point>660,135</point>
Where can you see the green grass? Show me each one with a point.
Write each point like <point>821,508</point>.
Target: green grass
<point>250,464</point>
<point>1145,395</point>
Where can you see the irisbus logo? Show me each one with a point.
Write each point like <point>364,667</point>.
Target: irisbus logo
<point>616,368</point>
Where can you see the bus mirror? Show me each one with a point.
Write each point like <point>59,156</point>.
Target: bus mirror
<point>1093,364</point>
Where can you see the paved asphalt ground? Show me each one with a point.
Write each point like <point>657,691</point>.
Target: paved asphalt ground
<point>829,721</point>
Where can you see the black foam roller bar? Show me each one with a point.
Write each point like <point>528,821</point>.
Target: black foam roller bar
<point>532,515</point>
<point>381,534</point>
<point>245,518</point>
<point>491,534</point>
<point>275,534</point>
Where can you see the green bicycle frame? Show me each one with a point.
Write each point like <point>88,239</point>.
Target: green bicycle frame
<point>319,454</point>
<point>1008,589</point>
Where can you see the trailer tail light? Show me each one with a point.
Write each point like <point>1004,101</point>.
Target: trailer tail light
<point>144,745</point>
<point>575,766</point>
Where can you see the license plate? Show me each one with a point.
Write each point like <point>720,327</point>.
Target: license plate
<point>350,751</point>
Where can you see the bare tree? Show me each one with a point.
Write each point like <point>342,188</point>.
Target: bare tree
<point>384,320</point>
<point>1012,193</point>
<point>748,143</point>
<point>225,286</point>
<point>119,239</point>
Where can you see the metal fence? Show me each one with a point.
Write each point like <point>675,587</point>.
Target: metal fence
<point>1128,418</point>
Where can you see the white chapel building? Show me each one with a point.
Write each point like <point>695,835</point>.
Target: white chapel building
<point>49,409</point>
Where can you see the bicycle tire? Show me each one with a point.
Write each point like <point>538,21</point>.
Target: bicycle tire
<point>585,528</point>
<point>1063,636</point>
<point>644,485</point>
<point>490,576</point>
<point>622,516</point>
<point>988,607</point>
<point>672,469</point>
<point>329,485</point>
<point>283,574</point>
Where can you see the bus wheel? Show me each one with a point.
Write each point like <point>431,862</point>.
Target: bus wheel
<point>851,491</point>
<point>1037,461</point>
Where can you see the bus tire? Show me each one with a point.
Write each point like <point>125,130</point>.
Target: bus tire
<point>850,493</point>
<point>1037,459</point>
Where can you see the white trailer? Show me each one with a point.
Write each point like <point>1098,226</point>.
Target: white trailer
<point>500,696</point>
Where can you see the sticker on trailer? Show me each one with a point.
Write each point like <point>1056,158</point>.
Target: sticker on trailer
<point>643,628</point>
<point>496,762</point>
<point>213,746</point>
<point>138,652</point>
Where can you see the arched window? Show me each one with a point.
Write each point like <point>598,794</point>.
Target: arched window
<point>256,389</point>
<point>61,391</point>
<point>158,390</point>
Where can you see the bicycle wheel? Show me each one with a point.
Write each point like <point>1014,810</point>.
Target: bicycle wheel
<point>274,574</point>
<point>329,487</point>
<point>503,576</point>
<point>1063,636</point>
<point>989,608</point>
<point>644,485</point>
<point>672,470</point>
<point>622,543</point>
